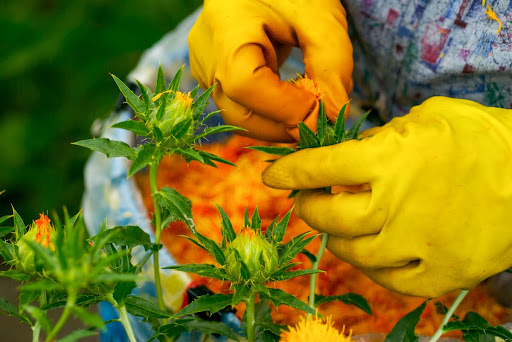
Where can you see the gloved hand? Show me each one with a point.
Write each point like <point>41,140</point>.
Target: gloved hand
<point>240,44</point>
<point>438,214</point>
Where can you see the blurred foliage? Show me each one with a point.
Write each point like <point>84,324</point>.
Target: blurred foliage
<point>55,60</point>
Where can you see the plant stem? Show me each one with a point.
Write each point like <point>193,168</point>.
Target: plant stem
<point>158,229</point>
<point>448,315</point>
<point>250,315</point>
<point>125,321</point>
<point>70,303</point>
<point>312,280</point>
<point>36,329</point>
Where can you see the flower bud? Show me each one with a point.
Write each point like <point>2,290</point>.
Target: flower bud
<point>42,232</point>
<point>177,110</point>
<point>259,255</point>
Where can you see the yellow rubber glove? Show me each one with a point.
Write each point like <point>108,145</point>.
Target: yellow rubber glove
<point>438,215</point>
<point>239,44</point>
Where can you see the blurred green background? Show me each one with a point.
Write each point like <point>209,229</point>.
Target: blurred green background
<point>55,60</point>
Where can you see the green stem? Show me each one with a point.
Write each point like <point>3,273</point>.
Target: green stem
<point>70,303</point>
<point>123,316</point>
<point>36,329</point>
<point>125,321</point>
<point>448,315</point>
<point>250,315</point>
<point>158,230</point>
<point>312,280</point>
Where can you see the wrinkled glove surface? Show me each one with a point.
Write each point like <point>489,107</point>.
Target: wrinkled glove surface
<point>240,44</point>
<point>438,213</point>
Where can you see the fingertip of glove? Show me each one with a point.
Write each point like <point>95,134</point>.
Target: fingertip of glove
<point>274,177</point>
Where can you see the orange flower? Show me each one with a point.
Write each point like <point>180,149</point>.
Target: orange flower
<point>43,232</point>
<point>315,329</point>
<point>307,84</point>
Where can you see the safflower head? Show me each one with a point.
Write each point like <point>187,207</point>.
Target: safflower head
<point>315,329</point>
<point>178,109</point>
<point>259,255</point>
<point>308,84</point>
<point>42,232</point>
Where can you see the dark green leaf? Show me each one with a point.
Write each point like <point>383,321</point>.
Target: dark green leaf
<point>261,289</point>
<point>209,327</point>
<point>294,247</point>
<point>308,138</point>
<point>194,91</point>
<point>162,100</point>
<point>137,127</point>
<point>88,318</point>
<point>213,248</point>
<point>206,303</point>
<point>11,310</point>
<point>339,127</point>
<point>180,129</point>
<point>280,229</point>
<point>129,236</point>
<point>241,294</point>
<point>204,270</point>
<point>111,148</point>
<point>16,275</point>
<point>28,297</point>
<point>207,116</point>
<point>200,104</point>
<point>278,151</point>
<point>321,124</point>
<point>82,300</point>
<point>174,85</point>
<point>147,154</point>
<point>160,82</point>
<point>476,329</point>
<point>256,220</point>
<point>403,331</point>
<point>157,134</point>
<point>353,132</point>
<point>216,130</point>
<point>5,218</point>
<point>145,97</point>
<point>210,156</point>
<point>247,223</point>
<point>19,225</point>
<point>142,307</point>
<point>347,298</point>
<point>122,290</point>
<point>228,232</point>
<point>132,99</point>
<point>293,193</point>
<point>77,334</point>
<point>178,205</point>
<point>275,329</point>
<point>279,297</point>
<point>6,250</point>
<point>297,273</point>
<point>5,231</point>
<point>309,255</point>
<point>190,154</point>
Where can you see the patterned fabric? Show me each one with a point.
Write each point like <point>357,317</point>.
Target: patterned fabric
<point>408,51</point>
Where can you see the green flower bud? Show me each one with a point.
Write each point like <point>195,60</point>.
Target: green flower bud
<point>42,232</point>
<point>176,111</point>
<point>259,255</point>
